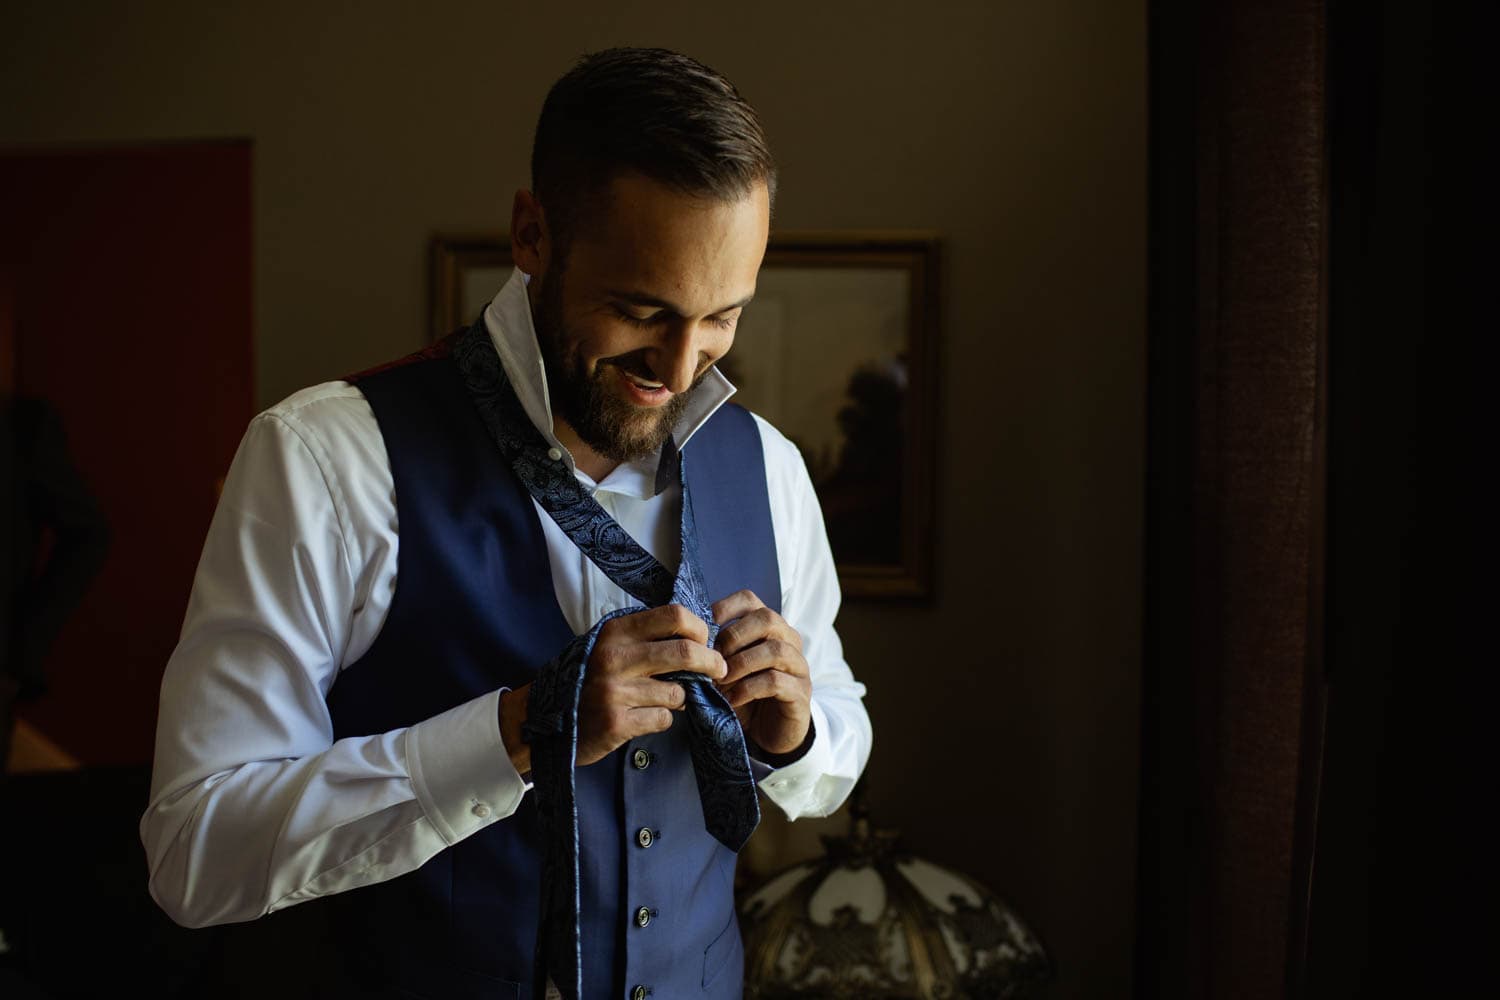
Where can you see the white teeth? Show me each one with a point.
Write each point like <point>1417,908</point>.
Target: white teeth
<point>644,384</point>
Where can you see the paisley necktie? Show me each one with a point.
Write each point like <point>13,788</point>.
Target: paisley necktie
<point>721,763</point>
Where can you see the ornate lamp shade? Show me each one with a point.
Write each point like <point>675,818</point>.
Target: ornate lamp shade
<point>869,920</point>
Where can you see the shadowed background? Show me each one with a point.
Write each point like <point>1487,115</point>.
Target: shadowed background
<point>1006,710</point>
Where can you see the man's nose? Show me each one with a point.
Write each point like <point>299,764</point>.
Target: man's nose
<point>677,359</point>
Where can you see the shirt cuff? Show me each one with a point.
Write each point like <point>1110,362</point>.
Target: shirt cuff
<point>780,760</point>
<point>802,788</point>
<point>460,770</point>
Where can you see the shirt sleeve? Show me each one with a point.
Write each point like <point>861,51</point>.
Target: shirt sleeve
<point>254,806</point>
<point>821,779</point>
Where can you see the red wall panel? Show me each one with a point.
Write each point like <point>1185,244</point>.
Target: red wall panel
<point>130,271</point>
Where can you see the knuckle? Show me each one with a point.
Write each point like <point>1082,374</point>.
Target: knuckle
<point>606,658</point>
<point>618,726</point>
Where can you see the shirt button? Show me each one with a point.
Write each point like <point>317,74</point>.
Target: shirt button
<point>640,993</point>
<point>481,810</point>
<point>641,758</point>
<point>643,916</point>
<point>645,836</point>
<point>555,454</point>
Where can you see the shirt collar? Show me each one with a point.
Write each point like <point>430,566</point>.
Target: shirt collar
<point>511,329</point>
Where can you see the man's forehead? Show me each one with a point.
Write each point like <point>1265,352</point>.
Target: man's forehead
<point>634,208</point>
<point>651,241</point>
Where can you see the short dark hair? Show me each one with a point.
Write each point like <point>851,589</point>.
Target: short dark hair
<point>648,111</point>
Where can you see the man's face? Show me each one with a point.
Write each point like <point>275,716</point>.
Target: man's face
<point>644,304</point>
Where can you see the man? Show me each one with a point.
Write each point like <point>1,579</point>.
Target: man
<point>346,718</point>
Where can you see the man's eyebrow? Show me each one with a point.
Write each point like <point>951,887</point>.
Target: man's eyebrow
<point>651,301</point>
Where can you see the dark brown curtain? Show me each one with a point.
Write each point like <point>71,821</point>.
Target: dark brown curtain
<point>1317,751</point>
<point>1237,354</point>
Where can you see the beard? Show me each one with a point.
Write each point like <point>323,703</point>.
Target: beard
<point>612,426</point>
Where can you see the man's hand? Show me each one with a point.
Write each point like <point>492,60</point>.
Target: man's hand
<point>621,697</point>
<point>768,682</point>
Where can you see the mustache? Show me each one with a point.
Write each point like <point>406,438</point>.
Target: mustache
<point>632,363</point>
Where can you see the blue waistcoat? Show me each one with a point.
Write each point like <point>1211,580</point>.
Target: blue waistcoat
<point>474,609</point>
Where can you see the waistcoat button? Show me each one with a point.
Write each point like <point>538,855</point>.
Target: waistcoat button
<point>642,916</point>
<point>645,836</point>
<point>640,993</point>
<point>641,758</point>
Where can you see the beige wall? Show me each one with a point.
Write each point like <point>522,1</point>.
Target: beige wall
<point>1006,712</point>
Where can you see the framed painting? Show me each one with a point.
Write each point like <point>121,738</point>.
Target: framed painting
<point>839,352</point>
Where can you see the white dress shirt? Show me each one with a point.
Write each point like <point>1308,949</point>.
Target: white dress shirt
<point>254,807</point>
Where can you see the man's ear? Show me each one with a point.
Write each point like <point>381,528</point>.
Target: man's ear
<point>530,246</point>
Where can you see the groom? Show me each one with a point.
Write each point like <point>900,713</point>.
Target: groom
<point>349,719</point>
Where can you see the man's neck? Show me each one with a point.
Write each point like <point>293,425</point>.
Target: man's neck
<point>593,464</point>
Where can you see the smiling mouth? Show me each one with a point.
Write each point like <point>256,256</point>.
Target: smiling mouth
<point>643,391</point>
<point>644,383</point>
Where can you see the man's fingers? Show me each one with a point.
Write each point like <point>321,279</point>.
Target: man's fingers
<point>766,684</point>
<point>651,693</point>
<point>624,693</point>
<point>736,605</point>
<point>754,626</point>
<point>771,655</point>
<point>668,655</point>
<point>604,729</point>
<point>642,659</point>
<point>664,622</point>
<point>651,720</point>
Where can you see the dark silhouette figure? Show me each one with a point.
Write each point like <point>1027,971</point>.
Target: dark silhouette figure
<point>861,497</point>
<point>53,538</point>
